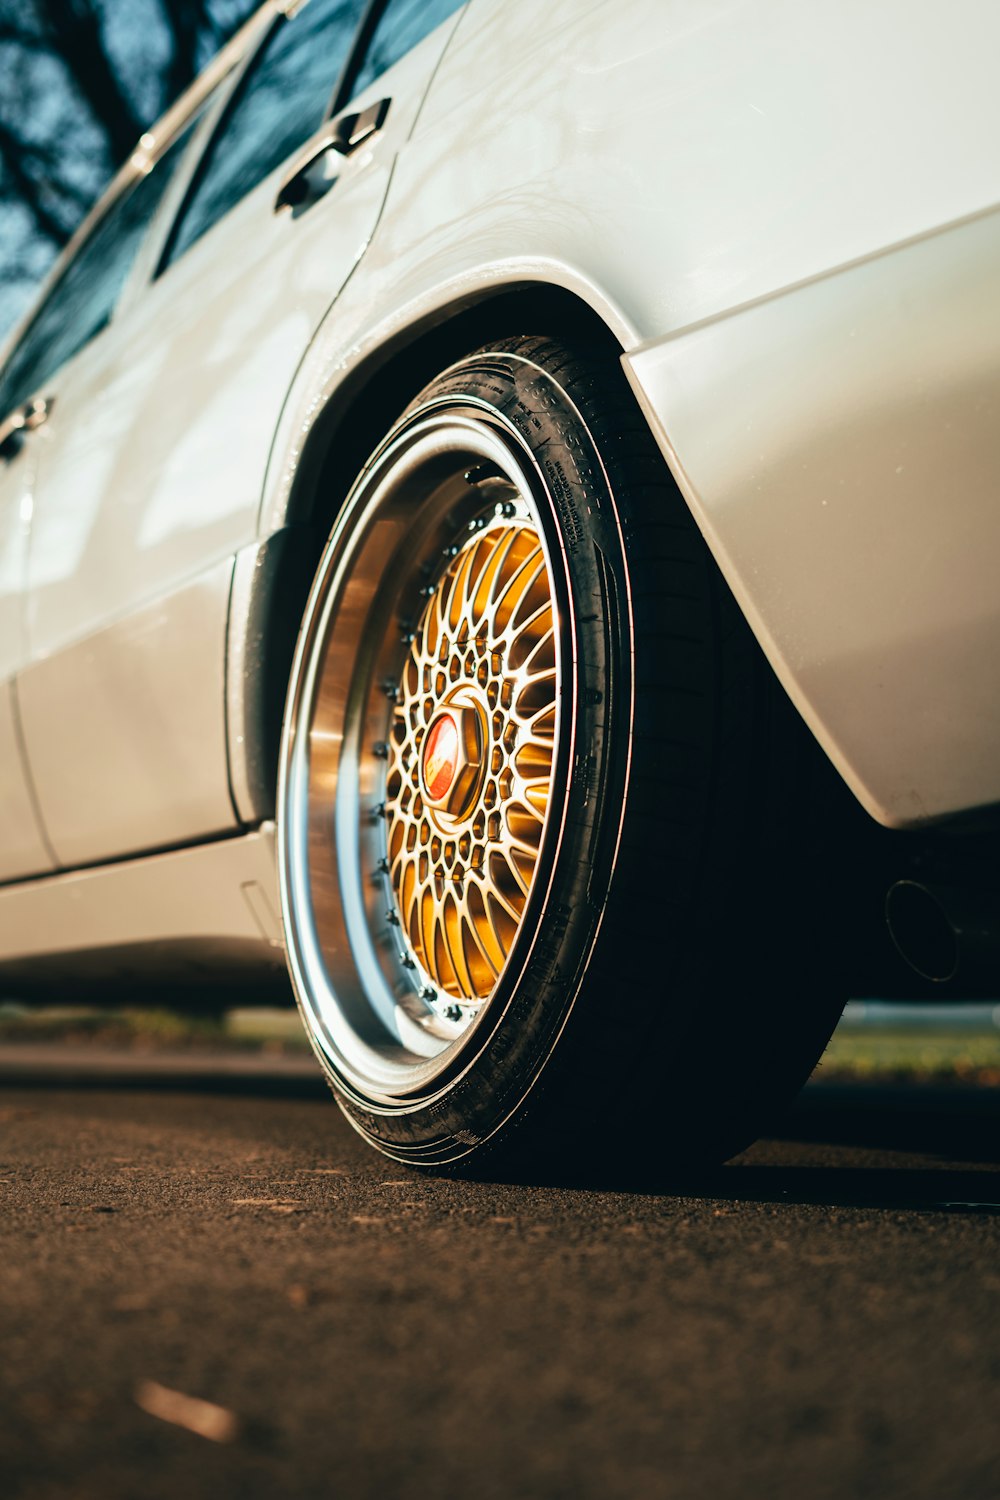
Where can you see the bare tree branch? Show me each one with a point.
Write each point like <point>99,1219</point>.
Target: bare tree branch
<point>73,29</point>
<point>28,190</point>
<point>185,21</point>
<point>60,143</point>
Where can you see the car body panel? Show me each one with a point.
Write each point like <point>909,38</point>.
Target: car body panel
<point>781,150</point>
<point>150,477</point>
<point>195,911</point>
<point>698,154</point>
<point>17,499</point>
<point>124,755</point>
<point>23,850</point>
<point>561,193</point>
<point>729,187</point>
<point>839,447</point>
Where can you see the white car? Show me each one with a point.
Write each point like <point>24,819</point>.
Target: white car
<point>603,396</point>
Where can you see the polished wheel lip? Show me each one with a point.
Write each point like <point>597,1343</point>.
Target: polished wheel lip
<point>383,1045</point>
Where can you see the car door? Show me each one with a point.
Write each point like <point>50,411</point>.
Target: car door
<point>155,458</point>
<point>70,327</point>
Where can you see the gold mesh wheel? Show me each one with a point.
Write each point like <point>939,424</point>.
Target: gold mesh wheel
<point>471,750</point>
<point>425,753</point>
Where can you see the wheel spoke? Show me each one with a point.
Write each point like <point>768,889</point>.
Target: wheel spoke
<point>483,654</point>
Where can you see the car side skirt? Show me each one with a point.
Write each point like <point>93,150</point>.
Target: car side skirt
<point>207,913</point>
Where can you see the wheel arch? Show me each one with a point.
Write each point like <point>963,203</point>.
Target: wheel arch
<point>374,393</point>
<point>272,578</point>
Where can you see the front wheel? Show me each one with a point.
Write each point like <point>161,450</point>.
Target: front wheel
<point>535,794</point>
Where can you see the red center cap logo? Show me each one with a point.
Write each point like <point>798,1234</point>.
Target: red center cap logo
<point>440,760</point>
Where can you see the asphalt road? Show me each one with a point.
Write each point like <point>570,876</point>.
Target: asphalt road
<point>819,1319</point>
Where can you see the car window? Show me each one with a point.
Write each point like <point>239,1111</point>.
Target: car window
<point>82,300</point>
<point>278,105</point>
<point>401,26</point>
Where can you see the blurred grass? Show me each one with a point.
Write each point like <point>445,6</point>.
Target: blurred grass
<point>910,1054</point>
<point>142,1029</point>
<point>884,1051</point>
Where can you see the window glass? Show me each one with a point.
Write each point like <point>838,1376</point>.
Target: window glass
<point>402,25</point>
<point>279,104</point>
<point>84,297</point>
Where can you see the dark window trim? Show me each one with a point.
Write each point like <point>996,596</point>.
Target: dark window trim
<point>121,187</point>
<point>163,261</point>
<point>370,18</point>
<point>355,57</point>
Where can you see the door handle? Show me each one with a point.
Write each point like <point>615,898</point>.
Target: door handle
<point>314,173</point>
<point>356,129</point>
<point>22,420</point>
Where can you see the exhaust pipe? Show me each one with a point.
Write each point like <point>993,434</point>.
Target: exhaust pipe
<point>945,933</point>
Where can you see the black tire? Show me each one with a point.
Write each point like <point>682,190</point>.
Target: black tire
<point>670,985</point>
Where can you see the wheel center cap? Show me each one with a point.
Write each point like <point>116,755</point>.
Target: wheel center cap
<point>451,758</point>
<point>440,758</point>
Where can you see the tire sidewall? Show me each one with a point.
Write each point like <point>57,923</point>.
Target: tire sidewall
<point>505,1057</point>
